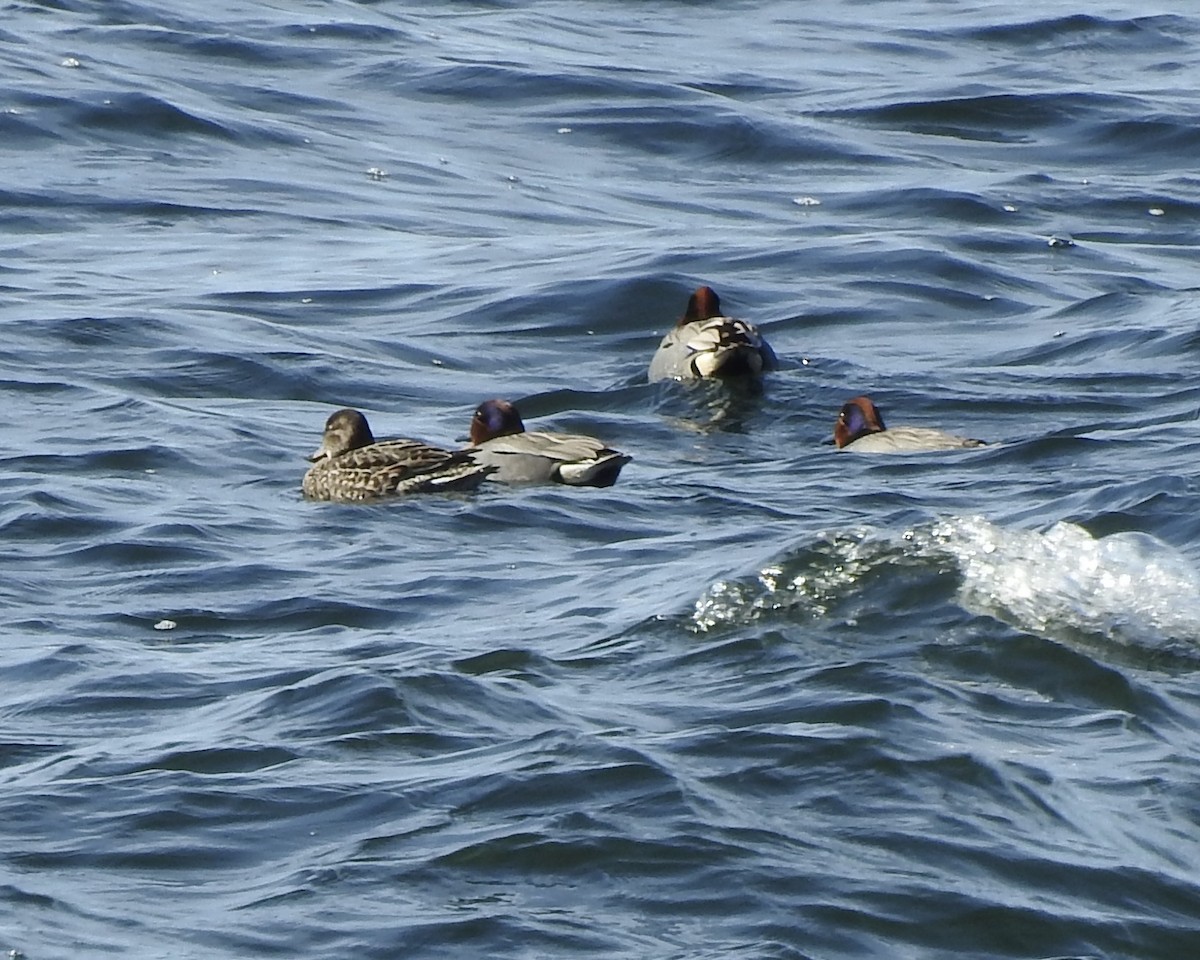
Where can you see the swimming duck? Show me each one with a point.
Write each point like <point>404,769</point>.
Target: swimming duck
<point>860,428</point>
<point>352,465</point>
<point>706,343</point>
<point>501,443</point>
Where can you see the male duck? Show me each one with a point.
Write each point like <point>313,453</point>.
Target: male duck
<point>706,343</point>
<point>351,465</point>
<point>501,443</point>
<point>860,428</point>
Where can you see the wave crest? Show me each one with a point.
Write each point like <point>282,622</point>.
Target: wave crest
<point>1130,588</point>
<point>1062,583</point>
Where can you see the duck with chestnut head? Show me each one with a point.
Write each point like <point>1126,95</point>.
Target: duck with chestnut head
<point>500,442</point>
<point>706,343</point>
<point>860,428</point>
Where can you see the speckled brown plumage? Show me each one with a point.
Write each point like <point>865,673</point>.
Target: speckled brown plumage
<point>350,465</point>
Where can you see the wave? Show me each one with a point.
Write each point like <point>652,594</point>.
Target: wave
<point>1129,589</point>
<point>1090,32</point>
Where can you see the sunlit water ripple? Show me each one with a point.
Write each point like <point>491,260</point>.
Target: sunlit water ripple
<point>760,698</point>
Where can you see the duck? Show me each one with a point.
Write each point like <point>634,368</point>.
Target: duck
<point>860,428</point>
<point>706,343</point>
<point>351,465</point>
<point>500,442</point>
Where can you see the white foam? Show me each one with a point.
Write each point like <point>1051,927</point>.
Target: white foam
<point>808,591</point>
<point>1128,587</point>
<point>1061,583</point>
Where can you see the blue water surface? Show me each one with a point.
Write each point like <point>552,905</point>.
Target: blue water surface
<point>760,699</point>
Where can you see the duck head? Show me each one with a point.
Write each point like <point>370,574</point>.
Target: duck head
<point>704,304</point>
<point>495,418</point>
<point>344,430</point>
<point>859,417</point>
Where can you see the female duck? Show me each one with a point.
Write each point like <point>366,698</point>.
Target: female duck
<point>352,465</point>
<point>860,428</point>
<point>501,444</point>
<point>706,343</point>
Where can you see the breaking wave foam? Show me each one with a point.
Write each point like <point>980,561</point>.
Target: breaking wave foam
<point>1061,583</point>
<point>1127,587</point>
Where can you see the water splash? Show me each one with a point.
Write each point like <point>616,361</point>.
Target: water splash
<point>1063,583</point>
<point>807,582</point>
<point>1126,587</point>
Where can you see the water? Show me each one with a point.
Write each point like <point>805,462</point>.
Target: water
<point>760,699</point>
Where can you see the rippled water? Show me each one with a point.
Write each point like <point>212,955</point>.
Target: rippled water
<point>759,699</point>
